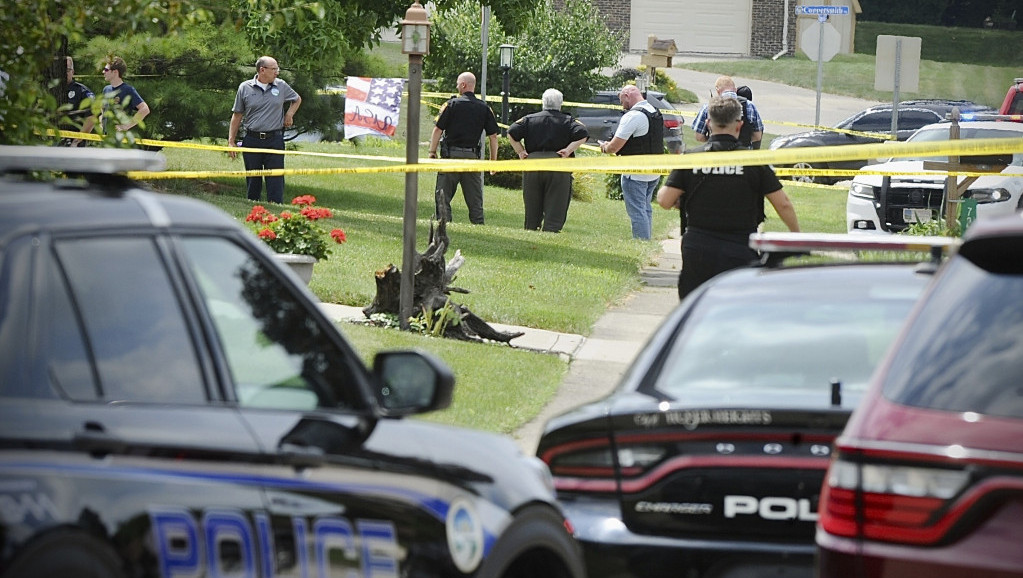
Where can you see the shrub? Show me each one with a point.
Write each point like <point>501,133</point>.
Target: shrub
<point>563,49</point>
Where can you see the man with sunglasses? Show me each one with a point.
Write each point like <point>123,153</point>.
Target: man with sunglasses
<point>259,105</point>
<point>124,93</point>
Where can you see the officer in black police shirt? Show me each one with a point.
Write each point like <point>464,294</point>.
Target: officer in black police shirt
<point>549,133</point>
<point>76,95</point>
<point>462,120</point>
<point>722,205</point>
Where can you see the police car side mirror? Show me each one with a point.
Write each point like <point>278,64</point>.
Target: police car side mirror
<point>411,382</point>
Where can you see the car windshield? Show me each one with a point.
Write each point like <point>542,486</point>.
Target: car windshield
<point>783,347</point>
<point>940,133</point>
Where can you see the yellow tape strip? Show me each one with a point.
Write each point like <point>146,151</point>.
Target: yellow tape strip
<point>653,163</point>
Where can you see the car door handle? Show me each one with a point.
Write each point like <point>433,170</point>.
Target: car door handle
<point>301,456</point>
<point>94,438</point>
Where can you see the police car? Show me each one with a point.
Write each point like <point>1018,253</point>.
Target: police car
<point>708,458</point>
<point>174,403</point>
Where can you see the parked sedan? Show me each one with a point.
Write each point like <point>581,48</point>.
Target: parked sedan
<point>927,478</point>
<point>601,122</point>
<point>708,458</point>
<point>913,114</point>
<point>880,206</point>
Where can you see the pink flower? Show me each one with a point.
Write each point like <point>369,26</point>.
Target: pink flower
<point>339,235</point>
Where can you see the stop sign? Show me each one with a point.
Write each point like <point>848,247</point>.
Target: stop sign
<point>821,41</point>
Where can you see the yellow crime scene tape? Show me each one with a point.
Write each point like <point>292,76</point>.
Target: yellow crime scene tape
<point>649,163</point>
<point>660,164</point>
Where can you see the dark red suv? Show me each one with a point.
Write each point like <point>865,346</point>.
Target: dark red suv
<point>927,477</point>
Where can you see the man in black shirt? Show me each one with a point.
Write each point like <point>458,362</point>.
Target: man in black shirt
<point>722,205</point>
<point>549,133</point>
<point>77,92</point>
<point>461,121</point>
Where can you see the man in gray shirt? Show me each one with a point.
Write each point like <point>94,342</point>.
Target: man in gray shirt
<point>259,105</point>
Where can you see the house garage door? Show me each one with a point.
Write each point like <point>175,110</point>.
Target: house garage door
<point>715,27</point>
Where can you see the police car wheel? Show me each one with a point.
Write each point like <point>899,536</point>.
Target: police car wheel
<point>66,553</point>
<point>536,544</point>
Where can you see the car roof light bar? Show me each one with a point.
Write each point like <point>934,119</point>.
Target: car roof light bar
<point>803,243</point>
<point>982,116</point>
<point>78,160</point>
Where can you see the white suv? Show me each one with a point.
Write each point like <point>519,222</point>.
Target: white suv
<point>914,198</point>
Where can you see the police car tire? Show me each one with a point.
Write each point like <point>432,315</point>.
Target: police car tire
<point>534,528</point>
<point>66,553</point>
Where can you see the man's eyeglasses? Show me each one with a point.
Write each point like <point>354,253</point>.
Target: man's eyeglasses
<point>106,69</point>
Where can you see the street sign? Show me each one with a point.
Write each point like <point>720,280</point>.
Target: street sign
<point>821,42</point>
<point>822,10</point>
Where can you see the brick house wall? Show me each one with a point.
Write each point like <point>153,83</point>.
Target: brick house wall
<point>766,34</point>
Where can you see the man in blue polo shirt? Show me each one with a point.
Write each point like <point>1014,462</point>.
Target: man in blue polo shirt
<point>259,105</point>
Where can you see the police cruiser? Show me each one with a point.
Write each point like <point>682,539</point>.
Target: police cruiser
<point>174,403</point>
<point>708,457</point>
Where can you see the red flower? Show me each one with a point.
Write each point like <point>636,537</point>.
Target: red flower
<point>315,213</point>
<point>259,214</point>
<point>296,231</point>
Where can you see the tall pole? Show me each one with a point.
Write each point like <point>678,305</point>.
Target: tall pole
<point>485,42</point>
<point>408,260</point>
<point>506,87</point>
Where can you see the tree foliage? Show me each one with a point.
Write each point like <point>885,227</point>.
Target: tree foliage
<point>563,49</point>
<point>966,13</point>
<point>33,43</point>
<point>312,41</point>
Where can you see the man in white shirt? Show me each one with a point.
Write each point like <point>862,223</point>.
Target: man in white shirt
<point>640,131</point>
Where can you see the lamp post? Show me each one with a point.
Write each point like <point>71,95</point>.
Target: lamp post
<point>506,51</point>
<point>415,41</point>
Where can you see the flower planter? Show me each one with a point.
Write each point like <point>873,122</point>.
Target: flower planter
<point>302,265</point>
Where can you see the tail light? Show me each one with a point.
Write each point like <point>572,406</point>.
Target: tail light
<point>891,503</point>
<point>591,467</point>
<point>668,123</point>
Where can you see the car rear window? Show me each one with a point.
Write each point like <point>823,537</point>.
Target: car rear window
<point>964,351</point>
<point>784,346</point>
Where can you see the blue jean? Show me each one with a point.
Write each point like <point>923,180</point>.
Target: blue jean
<point>638,196</point>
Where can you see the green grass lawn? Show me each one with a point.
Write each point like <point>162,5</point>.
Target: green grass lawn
<point>560,282</point>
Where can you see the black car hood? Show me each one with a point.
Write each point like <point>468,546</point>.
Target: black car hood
<point>810,137</point>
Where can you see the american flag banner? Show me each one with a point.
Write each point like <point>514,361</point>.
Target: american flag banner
<point>372,106</point>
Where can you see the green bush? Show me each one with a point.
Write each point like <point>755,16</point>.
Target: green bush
<point>189,81</point>
<point>662,83</point>
<point>557,48</point>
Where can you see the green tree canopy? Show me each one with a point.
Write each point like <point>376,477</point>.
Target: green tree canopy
<point>313,39</point>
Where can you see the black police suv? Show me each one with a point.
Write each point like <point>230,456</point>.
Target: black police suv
<point>174,403</point>
<point>708,458</point>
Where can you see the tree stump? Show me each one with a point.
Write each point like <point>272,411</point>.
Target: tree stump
<point>431,292</point>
